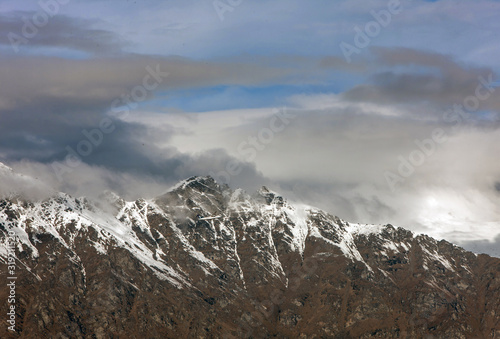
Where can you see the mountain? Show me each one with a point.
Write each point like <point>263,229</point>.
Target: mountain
<point>204,261</point>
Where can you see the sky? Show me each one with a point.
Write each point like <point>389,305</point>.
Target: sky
<point>376,111</point>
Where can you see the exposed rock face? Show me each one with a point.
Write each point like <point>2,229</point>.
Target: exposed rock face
<point>203,261</point>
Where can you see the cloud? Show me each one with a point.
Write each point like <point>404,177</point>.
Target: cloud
<point>341,64</point>
<point>47,102</point>
<point>417,77</point>
<point>59,31</point>
<point>131,181</point>
<point>13,185</point>
<point>484,246</point>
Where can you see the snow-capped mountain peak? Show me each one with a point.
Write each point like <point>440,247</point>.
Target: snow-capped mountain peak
<point>235,257</point>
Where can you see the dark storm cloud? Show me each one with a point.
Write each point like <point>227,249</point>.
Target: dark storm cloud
<point>46,103</point>
<point>133,148</point>
<point>58,31</point>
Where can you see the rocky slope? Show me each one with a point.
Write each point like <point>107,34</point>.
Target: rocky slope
<point>203,261</point>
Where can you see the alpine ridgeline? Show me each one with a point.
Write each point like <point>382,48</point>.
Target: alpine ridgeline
<point>204,261</point>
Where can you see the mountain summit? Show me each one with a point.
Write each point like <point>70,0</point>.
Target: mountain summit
<point>205,261</point>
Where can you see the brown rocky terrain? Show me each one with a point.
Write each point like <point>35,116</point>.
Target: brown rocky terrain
<point>203,261</point>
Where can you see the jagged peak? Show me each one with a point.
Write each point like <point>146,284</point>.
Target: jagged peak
<point>264,189</point>
<point>200,183</point>
<point>269,196</point>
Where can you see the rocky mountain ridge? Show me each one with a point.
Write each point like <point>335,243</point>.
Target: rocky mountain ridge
<point>204,261</point>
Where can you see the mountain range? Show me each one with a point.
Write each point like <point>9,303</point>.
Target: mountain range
<point>206,261</point>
